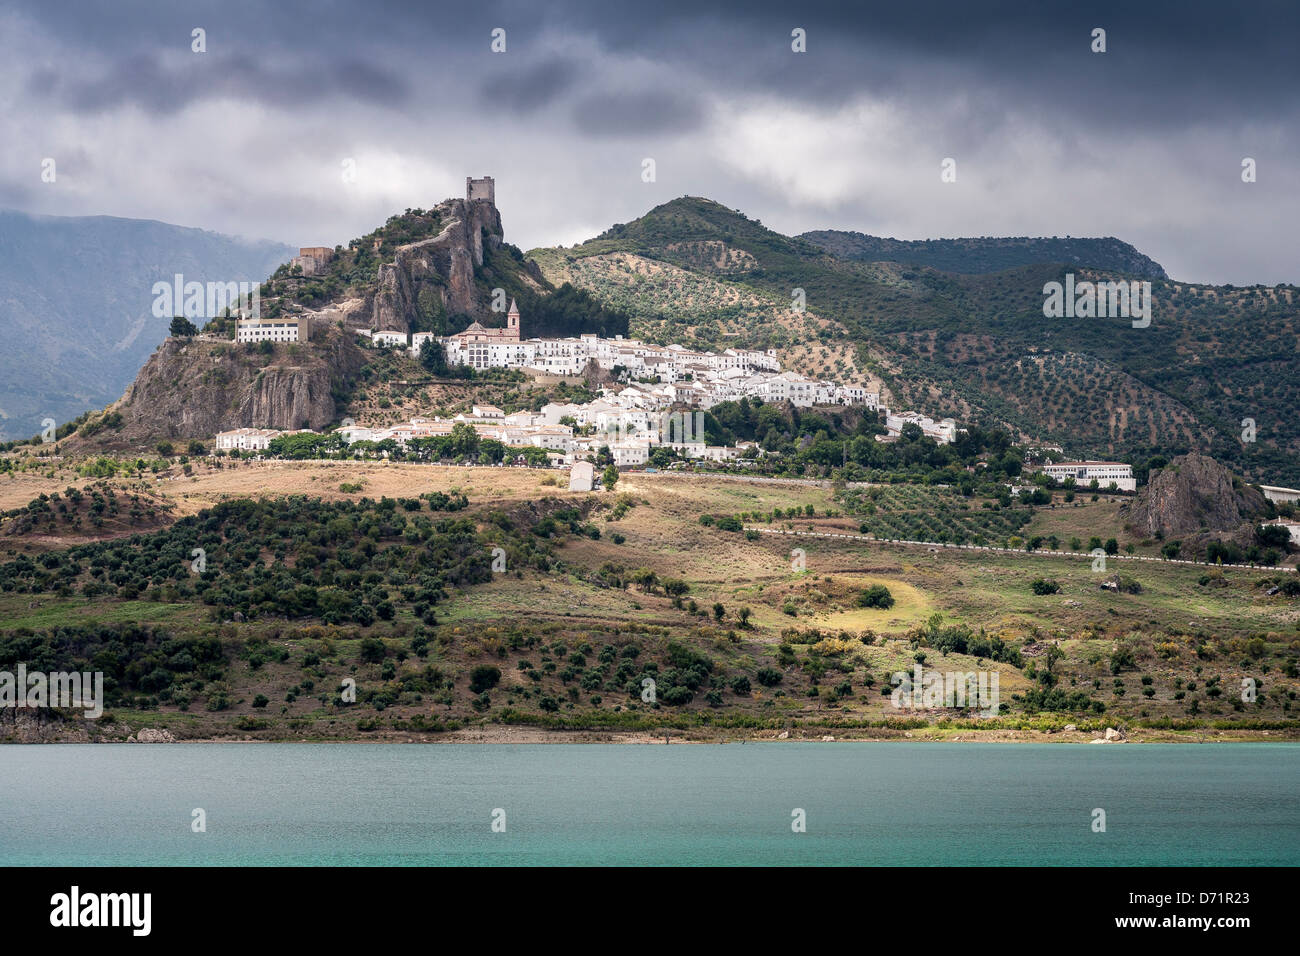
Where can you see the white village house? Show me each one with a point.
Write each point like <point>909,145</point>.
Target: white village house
<point>246,439</point>
<point>700,379</point>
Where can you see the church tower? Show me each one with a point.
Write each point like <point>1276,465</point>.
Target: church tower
<point>512,322</point>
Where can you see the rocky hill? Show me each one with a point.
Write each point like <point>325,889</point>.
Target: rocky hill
<point>424,270</point>
<point>435,277</point>
<point>196,388</point>
<point>989,254</point>
<point>1195,494</point>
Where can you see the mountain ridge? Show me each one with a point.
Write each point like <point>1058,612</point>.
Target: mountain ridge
<point>972,255</point>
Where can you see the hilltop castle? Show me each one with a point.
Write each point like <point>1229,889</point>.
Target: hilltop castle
<point>312,259</point>
<point>485,188</point>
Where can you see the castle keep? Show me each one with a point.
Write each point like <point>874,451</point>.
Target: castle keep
<point>312,259</point>
<point>485,188</point>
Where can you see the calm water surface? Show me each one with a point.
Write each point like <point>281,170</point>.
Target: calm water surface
<point>885,804</point>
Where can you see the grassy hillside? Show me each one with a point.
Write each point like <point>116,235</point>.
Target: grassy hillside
<point>384,575</point>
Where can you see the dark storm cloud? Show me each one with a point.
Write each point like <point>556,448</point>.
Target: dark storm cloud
<point>144,81</point>
<point>1041,126</point>
<point>530,88</point>
<point>1166,63</point>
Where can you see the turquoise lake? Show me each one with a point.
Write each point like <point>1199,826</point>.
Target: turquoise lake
<point>677,805</point>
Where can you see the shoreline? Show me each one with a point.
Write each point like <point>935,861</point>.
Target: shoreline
<point>512,735</point>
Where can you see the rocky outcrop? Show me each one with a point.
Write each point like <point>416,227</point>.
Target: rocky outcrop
<point>438,273</point>
<point>148,735</point>
<point>196,388</point>
<point>44,726</point>
<point>1193,494</point>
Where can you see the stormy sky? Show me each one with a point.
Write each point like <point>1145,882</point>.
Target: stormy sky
<point>1144,142</point>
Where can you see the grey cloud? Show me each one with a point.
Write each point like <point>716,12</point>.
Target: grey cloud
<point>644,112</point>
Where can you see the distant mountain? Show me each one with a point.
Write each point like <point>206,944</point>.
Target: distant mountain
<point>988,254</point>
<point>976,347</point>
<point>76,305</point>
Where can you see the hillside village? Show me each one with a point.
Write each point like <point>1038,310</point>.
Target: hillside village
<point>653,401</point>
<point>659,386</point>
<point>652,385</point>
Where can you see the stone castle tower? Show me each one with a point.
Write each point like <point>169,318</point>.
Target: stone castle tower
<point>484,188</point>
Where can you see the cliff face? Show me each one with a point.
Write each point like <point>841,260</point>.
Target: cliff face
<point>1193,493</point>
<point>194,389</point>
<point>440,268</point>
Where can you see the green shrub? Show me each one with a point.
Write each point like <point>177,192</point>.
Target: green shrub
<point>876,596</point>
<point>483,678</point>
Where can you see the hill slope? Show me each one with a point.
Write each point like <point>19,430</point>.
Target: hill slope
<point>976,347</point>
<point>388,580</point>
<point>76,305</point>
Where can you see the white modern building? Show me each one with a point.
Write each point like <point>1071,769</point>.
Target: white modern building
<point>1280,495</point>
<point>944,432</point>
<point>1105,473</point>
<point>386,339</point>
<point>582,477</point>
<point>281,329</point>
<point>246,439</point>
<point>1293,527</point>
<point>419,338</point>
